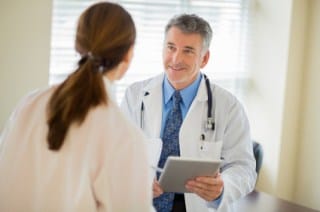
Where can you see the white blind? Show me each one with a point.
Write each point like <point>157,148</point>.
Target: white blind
<point>229,20</point>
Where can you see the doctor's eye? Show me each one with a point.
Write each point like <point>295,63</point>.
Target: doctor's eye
<point>188,51</point>
<point>171,47</point>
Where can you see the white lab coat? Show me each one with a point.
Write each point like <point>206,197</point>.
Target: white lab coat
<point>102,165</point>
<point>230,140</point>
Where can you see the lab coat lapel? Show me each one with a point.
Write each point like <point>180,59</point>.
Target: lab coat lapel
<point>153,107</point>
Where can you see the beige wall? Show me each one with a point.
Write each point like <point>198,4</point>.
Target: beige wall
<point>24,50</point>
<point>307,185</point>
<point>282,100</point>
<point>265,98</point>
<point>292,100</point>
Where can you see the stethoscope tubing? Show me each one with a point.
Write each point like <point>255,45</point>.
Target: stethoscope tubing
<point>210,124</point>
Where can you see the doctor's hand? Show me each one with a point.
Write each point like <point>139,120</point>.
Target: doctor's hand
<point>208,188</point>
<point>157,190</point>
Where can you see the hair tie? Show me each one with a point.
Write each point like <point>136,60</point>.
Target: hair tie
<point>101,69</point>
<point>100,63</point>
<point>103,64</point>
<point>90,56</point>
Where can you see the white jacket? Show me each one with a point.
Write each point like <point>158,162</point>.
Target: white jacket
<point>102,165</point>
<point>230,140</point>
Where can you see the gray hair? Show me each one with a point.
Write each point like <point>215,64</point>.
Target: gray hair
<point>191,23</point>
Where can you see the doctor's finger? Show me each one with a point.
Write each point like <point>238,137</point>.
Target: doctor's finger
<point>207,195</point>
<point>212,183</point>
<point>199,186</point>
<point>211,180</point>
<point>157,190</point>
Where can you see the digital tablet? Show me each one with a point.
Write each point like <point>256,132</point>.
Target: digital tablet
<point>178,170</point>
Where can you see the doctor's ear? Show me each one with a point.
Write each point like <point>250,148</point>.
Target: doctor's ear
<point>205,59</point>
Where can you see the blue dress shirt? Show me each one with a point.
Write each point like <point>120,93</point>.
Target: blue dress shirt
<point>187,95</point>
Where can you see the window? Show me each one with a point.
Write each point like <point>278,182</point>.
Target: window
<point>229,20</point>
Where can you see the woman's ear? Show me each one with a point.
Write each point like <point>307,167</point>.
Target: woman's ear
<point>123,66</point>
<point>127,59</point>
<point>128,56</point>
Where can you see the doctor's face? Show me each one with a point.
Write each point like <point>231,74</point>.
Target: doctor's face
<point>183,57</point>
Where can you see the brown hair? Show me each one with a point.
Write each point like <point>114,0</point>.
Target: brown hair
<point>104,35</point>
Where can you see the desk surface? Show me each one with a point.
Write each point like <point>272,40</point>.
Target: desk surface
<point>262,202</point>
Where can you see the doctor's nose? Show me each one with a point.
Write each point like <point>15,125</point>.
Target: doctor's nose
<point>176,57</point>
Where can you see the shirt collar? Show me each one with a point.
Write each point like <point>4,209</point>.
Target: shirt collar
<point>187,93</point>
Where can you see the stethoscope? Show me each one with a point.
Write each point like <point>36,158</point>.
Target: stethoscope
<point>209,125</point>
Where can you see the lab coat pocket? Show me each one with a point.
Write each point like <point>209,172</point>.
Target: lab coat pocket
<point>210,149</point>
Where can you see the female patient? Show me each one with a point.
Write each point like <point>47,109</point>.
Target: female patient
<point>69,148</point>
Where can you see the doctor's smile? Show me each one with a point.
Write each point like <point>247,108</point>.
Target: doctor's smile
<point>176,68</point>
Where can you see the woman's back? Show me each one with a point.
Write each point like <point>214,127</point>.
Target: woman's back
<point>102,164</point>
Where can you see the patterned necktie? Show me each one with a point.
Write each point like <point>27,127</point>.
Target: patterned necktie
<point>170,146</point>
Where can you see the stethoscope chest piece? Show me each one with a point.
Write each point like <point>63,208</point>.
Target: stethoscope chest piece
<point>210,125</point>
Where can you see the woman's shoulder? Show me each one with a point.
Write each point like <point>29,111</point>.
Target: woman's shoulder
<point>33,101</point>
<point>111,117</point>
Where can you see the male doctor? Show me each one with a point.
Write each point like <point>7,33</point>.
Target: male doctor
<point>150,105</point>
